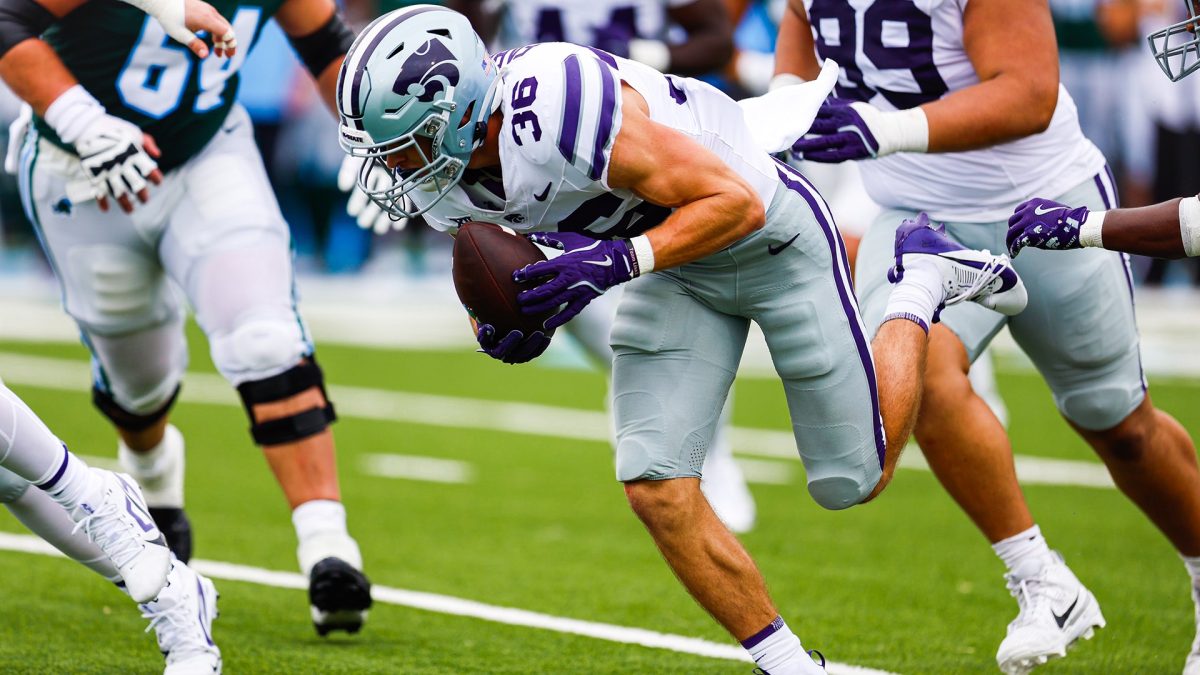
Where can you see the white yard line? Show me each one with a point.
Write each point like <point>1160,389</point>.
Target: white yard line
<point>412,467</point>
<point>447,604</point>
<point>523,418</point>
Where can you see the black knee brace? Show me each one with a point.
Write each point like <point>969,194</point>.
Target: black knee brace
<point>126,420</point>
<point>287,384</point>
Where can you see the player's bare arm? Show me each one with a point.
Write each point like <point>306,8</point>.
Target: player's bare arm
<point>320,38</point>
<point>714,207</point>
<point>709,44</point>
<point>1016,95</point>
<point>117,156</point>
<point>795,55</point>
<point>1167,230</point>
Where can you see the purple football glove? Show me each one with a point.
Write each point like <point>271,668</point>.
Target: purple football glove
<point>512,348</point>
<point>1042,223</point>
<point>581,274</point>
<point>839,133</point>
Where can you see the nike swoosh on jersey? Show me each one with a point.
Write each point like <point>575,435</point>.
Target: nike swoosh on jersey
<point>1062,620</point>
<point>545,193</point>
<point>1037,210</point>
<point>775,250</point>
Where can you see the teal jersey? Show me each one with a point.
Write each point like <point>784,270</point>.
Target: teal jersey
<point>126,60</point>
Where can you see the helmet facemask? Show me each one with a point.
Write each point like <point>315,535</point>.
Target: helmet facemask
<point>1176,48</point>
<point>438,172</point>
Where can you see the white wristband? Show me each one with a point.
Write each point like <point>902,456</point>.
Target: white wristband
<point>1189,225</point>
<point>901,131</point>
<point>654,53</point>
<point>644,253</point>
<point>1089,231</point>
<point>170,14</point>
<point>72,112</point>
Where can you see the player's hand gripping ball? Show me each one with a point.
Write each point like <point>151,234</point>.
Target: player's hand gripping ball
<point>485,257</point>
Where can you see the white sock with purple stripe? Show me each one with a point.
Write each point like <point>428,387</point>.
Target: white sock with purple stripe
<point>29,449</point>
<point>778,651</point>
<point>917,296</point>
<point>72,483</point>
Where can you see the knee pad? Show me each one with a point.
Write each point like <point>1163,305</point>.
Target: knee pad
<point>127,419</point>
<point>296,427</point>
<point>12,486</point>
<point>1100,408</point>
<point>259,348</point>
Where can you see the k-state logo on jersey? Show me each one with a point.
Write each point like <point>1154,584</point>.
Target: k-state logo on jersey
<point>427,72</point>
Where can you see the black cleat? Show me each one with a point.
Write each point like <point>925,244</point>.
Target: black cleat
<point>339,596</point>
<point>177,529</point>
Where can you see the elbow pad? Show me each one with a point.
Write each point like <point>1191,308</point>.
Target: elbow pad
<point>323,46</point>
<point>21,20</point>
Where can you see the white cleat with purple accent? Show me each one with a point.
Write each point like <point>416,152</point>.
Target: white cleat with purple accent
<point>181,618</point>
<point>1056,612</point>
<point>968,275</point>
<point>120,524</point>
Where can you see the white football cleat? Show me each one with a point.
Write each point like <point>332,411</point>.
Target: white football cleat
<point>339,594</point>
<point>181,618</point>
<point>725,488</point>
<point>968,275</point>
<point>122,527</point>
<point>1056,611</point>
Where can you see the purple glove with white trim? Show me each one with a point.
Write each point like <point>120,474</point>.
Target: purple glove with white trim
<point>848,130</point>
<point>1046,224</point>
<point>512,348</point>
<point>581,274</point>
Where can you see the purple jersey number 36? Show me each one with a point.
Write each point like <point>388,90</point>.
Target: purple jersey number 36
<point>523,96</point>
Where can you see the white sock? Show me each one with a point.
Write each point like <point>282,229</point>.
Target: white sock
<point>917,296</point>
<point>1193,568</point>
<point>146,463</point>
<point>72,484</point>
<point>320,516</point>
<point>777,650</point>
<point>1024,553</point>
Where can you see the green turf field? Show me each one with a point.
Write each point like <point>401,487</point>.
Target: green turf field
<point>905,584</point>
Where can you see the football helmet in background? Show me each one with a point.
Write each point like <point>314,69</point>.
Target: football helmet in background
<point>1176,48</point>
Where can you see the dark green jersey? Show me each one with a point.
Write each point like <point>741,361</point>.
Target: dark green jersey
<point>125,59</point>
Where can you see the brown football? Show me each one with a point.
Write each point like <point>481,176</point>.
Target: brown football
<point>485,256</point>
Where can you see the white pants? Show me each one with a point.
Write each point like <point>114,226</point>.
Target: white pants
<point>212,229</point>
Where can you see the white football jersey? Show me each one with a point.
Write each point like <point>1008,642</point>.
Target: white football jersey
<point>901,54</point>
<point>562,112</point>
<point>582,22</point>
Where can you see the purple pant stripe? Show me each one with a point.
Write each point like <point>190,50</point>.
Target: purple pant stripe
<point>1133,305</point>
<point>841,277</point>
<point>62,468</point>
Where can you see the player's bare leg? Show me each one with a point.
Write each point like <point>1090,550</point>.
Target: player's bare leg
<point>1153,461</point>
<point>969,452</point>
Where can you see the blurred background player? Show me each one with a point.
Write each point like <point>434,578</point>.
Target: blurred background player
<point>941,78</point>
<point>210,225</point>
<point>688,37</point>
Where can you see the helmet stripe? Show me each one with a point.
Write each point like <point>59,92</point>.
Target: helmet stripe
<point>372,36</point>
